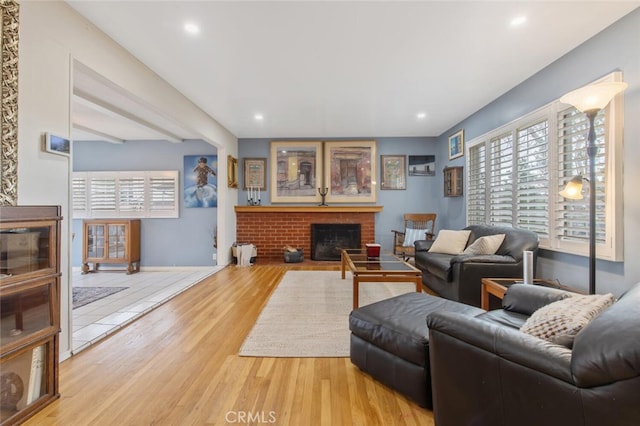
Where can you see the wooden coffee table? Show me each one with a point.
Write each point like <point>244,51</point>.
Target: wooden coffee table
<point>385,268</point>
<point>498,287</point>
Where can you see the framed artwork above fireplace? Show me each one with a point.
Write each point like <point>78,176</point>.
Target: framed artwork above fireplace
<point>295,171</point>
<point>350,171</point>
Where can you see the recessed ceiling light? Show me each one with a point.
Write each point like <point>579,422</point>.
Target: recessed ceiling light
<point>191,28</point>
<point>421,115</point>
<point>259,117</point>
<point>518,20</point>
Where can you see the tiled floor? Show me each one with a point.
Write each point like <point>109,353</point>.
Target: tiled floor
<point>146,290</point>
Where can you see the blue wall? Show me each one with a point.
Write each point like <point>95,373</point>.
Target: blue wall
<point>615,48</point>
<point>183,241</point>
<point>421,194</point>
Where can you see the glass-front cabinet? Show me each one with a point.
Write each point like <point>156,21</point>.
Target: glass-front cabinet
<point>29,310</point>
<point>111,241</point>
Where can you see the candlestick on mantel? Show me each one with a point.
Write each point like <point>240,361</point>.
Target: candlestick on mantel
<point>323,193</point>
<point>253,196</point>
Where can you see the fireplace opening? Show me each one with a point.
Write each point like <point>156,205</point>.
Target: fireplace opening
<point>327,239</point>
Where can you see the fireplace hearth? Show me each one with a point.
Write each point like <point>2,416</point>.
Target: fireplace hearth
<point>327,239</point>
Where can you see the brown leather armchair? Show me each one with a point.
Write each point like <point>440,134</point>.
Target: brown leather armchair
<point>484,371</point>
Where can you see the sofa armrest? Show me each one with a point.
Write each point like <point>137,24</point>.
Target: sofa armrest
<point>423,245</point>
<point>526,298</point>
<point>483,258</point>
<point>505,342</point>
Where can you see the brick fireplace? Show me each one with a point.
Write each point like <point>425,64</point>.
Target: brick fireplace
<point>271,228</point>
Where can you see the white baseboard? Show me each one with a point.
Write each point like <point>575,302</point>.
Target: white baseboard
<point>116,268</point>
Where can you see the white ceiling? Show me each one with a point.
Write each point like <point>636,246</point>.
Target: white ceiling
<point>331,68</point>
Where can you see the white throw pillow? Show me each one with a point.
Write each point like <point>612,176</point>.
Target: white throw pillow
<point>450,242</point>
<point>560,321</point>
<point>489,244</point>
<point>411,235</point>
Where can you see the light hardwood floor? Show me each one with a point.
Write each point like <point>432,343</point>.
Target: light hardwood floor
<point>178,365</point>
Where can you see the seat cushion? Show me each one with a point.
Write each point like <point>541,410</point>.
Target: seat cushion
<point>504,318</point>
<point>398,325</point>
<point>411,235</point>
<point>436,264</point>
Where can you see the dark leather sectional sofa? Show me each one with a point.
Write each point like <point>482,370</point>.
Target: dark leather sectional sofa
<point>478,368</point>
<point>458,277</point>
<point>486,372</point>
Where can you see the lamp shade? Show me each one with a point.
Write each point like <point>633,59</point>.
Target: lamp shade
<point>594,96</point>
<point>573,189</point>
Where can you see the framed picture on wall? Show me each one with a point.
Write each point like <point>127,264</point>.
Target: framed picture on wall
<point>232,171</point>
<point>200,181</point>
<point>350,171</point>
<point>422,165</point>
<point>393,172</point>
<point>456,145</point>
<point>296,169</point>
<point>56,144</point>
<point>255,173</point>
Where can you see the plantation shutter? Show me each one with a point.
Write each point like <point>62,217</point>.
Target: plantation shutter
<point>103,195</point>
<point>131,195</point>
<point>532,183</point>
<point>79,196</point>
<point>163,194</point>
<point>501,180</point>
<point>476,185</point>
<point>573,215</point>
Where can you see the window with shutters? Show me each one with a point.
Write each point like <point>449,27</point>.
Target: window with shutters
<point>125,194</point>
<point>515,173</point>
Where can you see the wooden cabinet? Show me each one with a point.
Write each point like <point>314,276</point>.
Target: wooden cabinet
<point>29,310</point>
<point>111,241</point>
<point>453,181</point>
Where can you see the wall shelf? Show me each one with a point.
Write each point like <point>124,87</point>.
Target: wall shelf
<point>453,178</point>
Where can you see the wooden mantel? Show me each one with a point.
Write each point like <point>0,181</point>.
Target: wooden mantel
<point>308,209</point>
<point>271,228</point>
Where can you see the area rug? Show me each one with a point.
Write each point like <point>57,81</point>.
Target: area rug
<point>308,315</point>
<point>84,295</point>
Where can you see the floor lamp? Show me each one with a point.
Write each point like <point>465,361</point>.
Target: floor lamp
<point>590,100</point>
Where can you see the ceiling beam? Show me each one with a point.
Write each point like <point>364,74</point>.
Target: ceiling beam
<point>103,136</point>
<point>114,111</point>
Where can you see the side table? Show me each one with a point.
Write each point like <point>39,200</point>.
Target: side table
<point>498,287</point>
